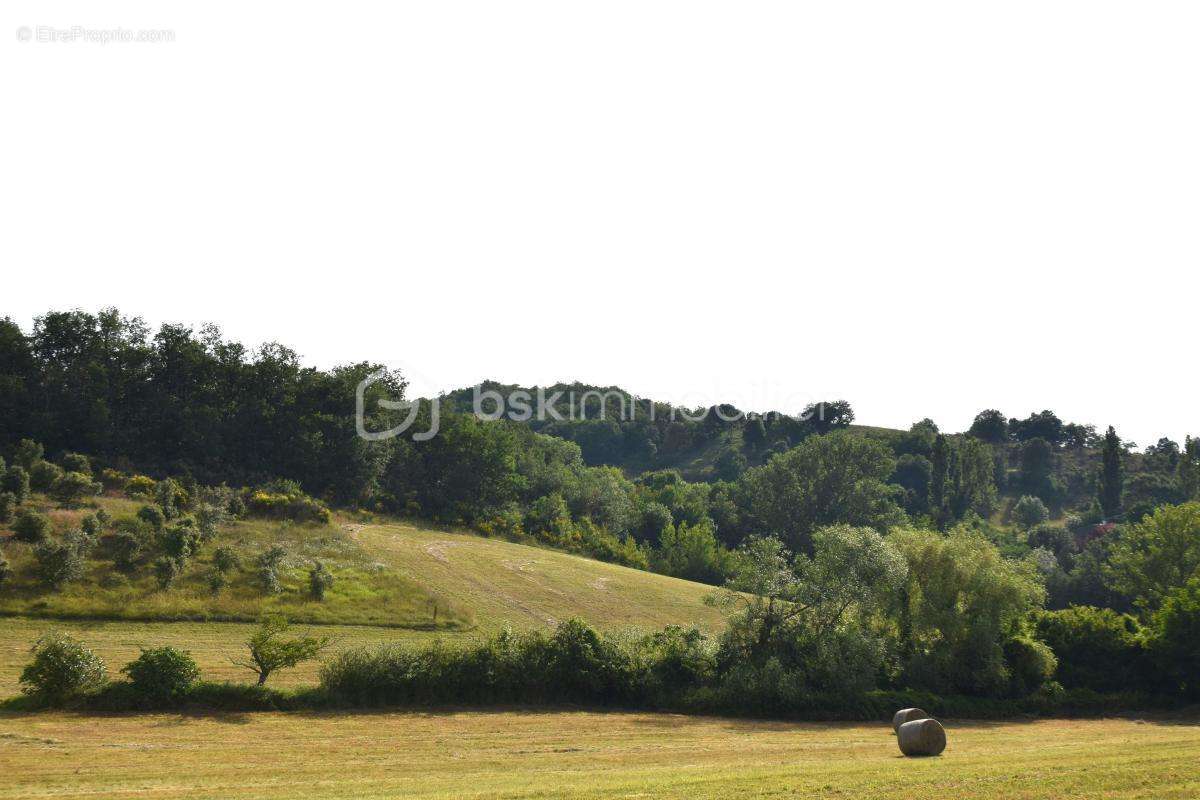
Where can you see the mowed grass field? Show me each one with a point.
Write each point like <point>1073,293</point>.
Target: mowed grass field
<point>565,754</point>
<point>500,582</point>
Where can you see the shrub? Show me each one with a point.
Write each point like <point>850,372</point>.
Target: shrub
<point>1030,663</point>
<point>16,483</point>
<point>112,479</point>
<point>1030,511</point>
<point>1097,648</point>
<point>5,570</point>
<point>140,486</point>
<point>73,487</point>
<point>180,540</point>
<point>28,453</point>
<point>217,582</point>
<point>320,580</point>
<point>237,507</point>
<point>31,527</point>
<point>297,507</point>
<point>224,560</point>
<point>268,568</point>
<point>8,507</point>
<point>62,669</point>
<point>171,497</point>
<point>152,516</point>
<point>58,563</point>
<point>43,475</point>
<point>166,571</point>
<point>1176,638</point>
<point>162,674</point>
<point>91,525</point>
<point>77,462</point>
<point>127,551</point>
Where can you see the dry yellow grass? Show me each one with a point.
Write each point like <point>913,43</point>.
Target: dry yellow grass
<point>512,754</point>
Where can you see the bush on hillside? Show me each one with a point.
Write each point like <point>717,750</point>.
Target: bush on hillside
<point>16,483</point>
<point>8,507</point>
<point>43,475</point>
<point>73,487</point>
<point>77,462</point>
<point>140,487</point>
<point>58,563</point>
<point>30,526</point>
<point>296,507</point>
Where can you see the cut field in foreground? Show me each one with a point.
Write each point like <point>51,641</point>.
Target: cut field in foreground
<point>515,754</point>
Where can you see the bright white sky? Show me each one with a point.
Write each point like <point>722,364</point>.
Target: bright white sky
<point>924,208</point>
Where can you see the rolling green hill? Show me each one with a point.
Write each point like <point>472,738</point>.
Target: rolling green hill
<point>527,587</point>
<point>387,573</point>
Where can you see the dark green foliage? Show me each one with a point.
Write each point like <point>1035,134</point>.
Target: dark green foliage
<point>217,581</point>
<point>76,462</point>
<point>1029,512</point>
<point>1044,425</point>
<point>822,481</point>
<point>320,581</point>
<point>8,507</point>
<point>990,426</point>
<point>28,453</point>
<point>162,675</point>
<point>1036,476</point>
<point>127,549</point>
<point>1031,663</point>
<point>938,477</point>
<point>16,483</point>
<point>224,560</point>
<point>5,570</point>
<point>43,475</point>
<point>73,487</point>
<point>1111,482</point>
<point>268,564</point>
<point>166,571</point>
<point>1097,649</point>
<point>180,540</point>
<point>62,669</point>
<point>91,525</point>
<point>170,497</point>
<point>1176,638</point>
<point>152,516</point>
<point>1188,470</point>
<point>58,563</point>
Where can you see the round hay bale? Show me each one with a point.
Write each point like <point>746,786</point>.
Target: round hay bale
<point>922,737</point>
<point>906,715</point>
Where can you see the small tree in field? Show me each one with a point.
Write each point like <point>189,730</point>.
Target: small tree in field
<point>271,649</point>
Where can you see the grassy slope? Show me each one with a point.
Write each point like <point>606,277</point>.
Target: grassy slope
<point>365,592</point>
<point>581,755</point>
<point>394,574</point>
<point>502,582</point>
